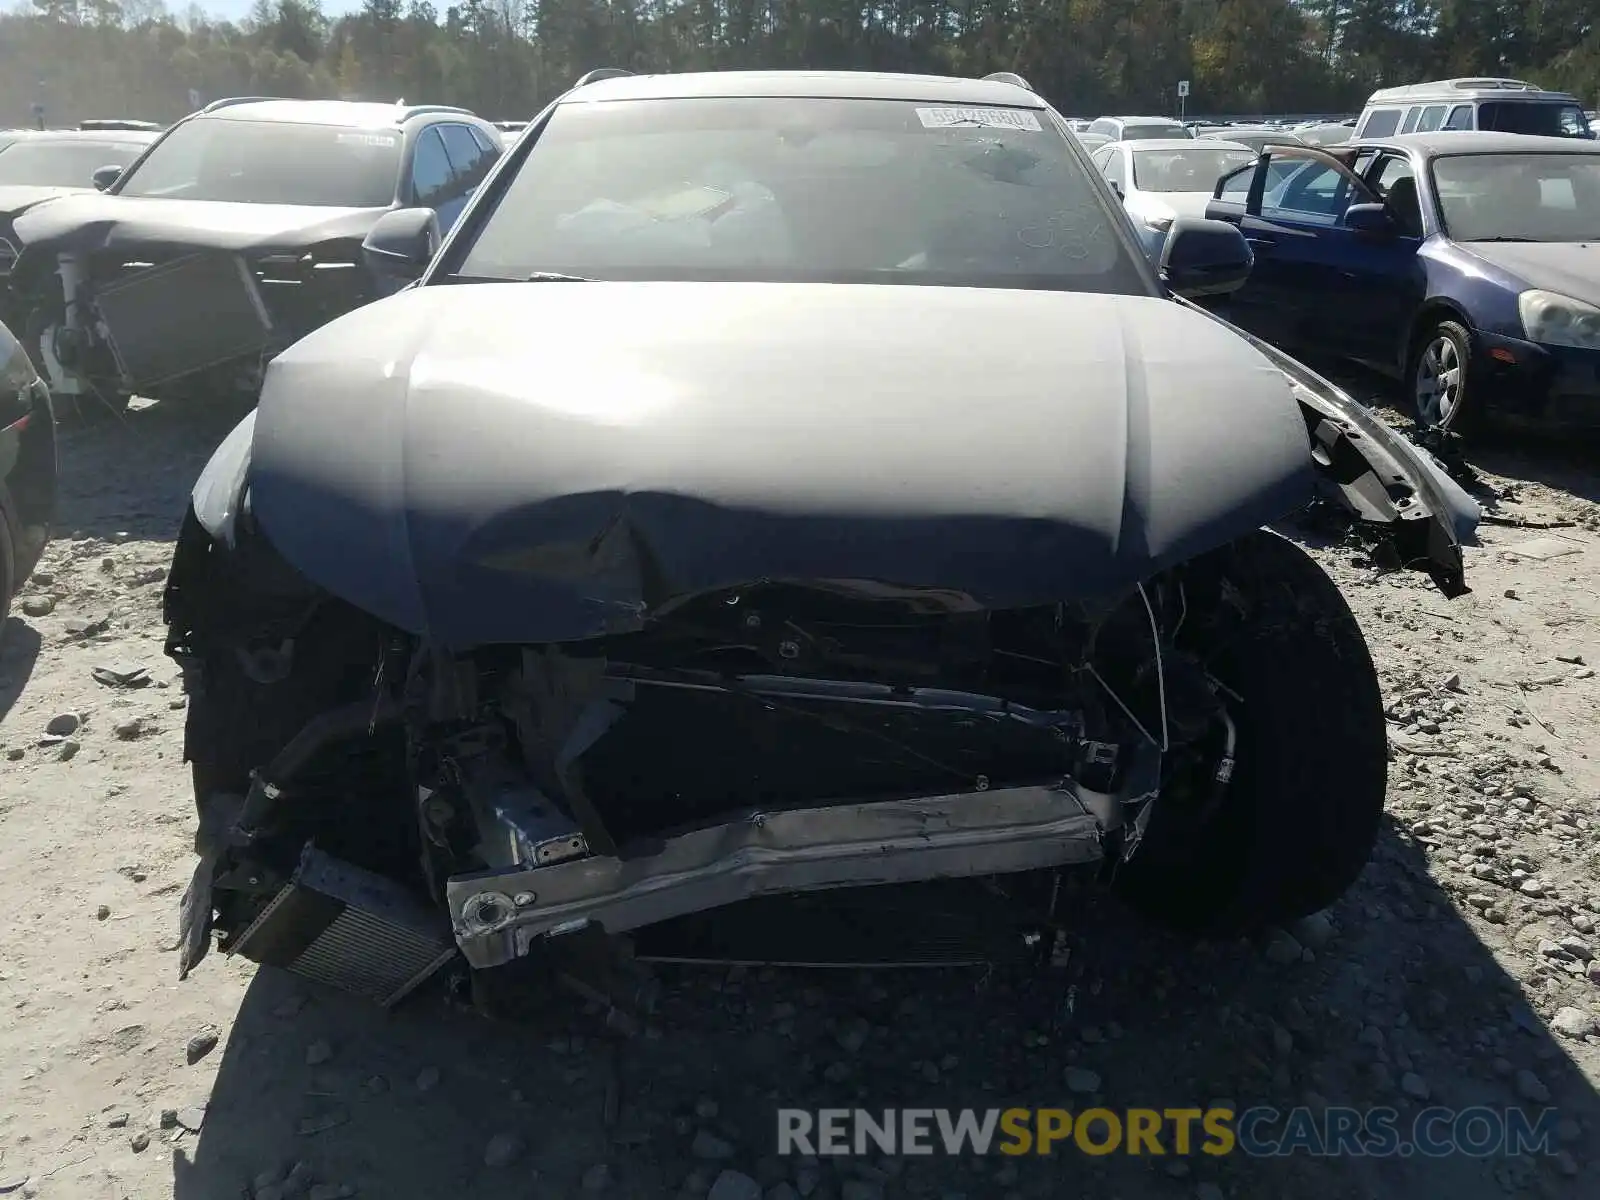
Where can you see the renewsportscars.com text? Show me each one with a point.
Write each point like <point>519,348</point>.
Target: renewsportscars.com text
<point>1257,1132</point>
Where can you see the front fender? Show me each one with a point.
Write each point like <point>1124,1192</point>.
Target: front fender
<point>1381,478</point>
<point>219,493</point>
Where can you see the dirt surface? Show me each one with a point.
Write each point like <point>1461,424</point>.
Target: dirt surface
<point>1437,980</point>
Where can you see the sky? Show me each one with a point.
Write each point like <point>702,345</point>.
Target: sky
<point>233,10</point>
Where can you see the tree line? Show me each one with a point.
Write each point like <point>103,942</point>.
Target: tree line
<point>505,58</point>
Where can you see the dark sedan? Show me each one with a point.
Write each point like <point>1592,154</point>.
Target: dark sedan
<point>1468,264</point>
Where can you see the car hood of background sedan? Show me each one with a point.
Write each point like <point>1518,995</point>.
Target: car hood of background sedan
<point>1571,268</point>
<point>1170,204</point>
<point>544,462</point>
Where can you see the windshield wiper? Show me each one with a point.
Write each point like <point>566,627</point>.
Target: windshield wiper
<point>556,277</point>
<point>1506,239</point>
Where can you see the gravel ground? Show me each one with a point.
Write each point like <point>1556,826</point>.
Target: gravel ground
<point>1459,971</point>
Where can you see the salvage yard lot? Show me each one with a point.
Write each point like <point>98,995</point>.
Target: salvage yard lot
<point>1435,981</point>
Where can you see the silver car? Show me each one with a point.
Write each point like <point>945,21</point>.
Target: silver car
<point>1160,181</point>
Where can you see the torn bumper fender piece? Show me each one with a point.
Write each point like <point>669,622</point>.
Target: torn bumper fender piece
<point>1382,478</point>
<point>497,916</point>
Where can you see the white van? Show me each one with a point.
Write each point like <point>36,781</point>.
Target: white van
<point>1508,105</point>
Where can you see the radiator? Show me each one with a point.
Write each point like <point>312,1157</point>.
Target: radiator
<point>350,929</point>
<point>199,311</point>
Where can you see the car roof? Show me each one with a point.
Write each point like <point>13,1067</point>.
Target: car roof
<point>854,85</point>
<point>134,137</point>
<point>1465,88</point>
<point>1481,141</point>
<point>1149,120</point>
<point>1144,144</point>
<point>351,114</point>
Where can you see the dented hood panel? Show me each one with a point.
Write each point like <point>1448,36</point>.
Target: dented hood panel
<point>94,221</point>
<point>543,461</point>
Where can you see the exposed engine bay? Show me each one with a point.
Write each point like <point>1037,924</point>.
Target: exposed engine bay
<point>774,738</point>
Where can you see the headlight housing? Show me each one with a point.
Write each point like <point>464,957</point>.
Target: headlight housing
<point>1556,320</point>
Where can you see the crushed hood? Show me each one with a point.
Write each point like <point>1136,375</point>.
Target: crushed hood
<point>93,221</point>
<point>552,461</point>
<point>1571,268</point>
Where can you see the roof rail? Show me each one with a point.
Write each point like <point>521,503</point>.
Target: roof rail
<point>1494,83</point>
<point>229,101</point>
<point>599,73</point>
<point>1010,77</point>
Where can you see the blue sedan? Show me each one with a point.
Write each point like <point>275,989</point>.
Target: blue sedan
<point>1467,264</point>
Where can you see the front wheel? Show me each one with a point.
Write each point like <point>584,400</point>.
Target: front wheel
<point>1440,367</point>
<point>1297,821</point>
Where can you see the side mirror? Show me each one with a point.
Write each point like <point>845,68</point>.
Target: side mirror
<point>105,176</point>
<point>402,243</point>
<point>1369,218</point>
<point>1205,258</point>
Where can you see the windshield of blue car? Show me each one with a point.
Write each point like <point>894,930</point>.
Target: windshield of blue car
<point>1519,197</point>
<point>271,162</point>
<point>796,190</point>
<point>44,162</point>
<point>1536,117</point>
<point>1186,170</point>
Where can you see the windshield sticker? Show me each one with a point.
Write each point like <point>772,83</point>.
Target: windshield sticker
<point>367,139</point>
<point>978,118</point>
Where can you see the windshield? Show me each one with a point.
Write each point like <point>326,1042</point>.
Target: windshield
<point>1146,133</point>
<point>1536,117</point>
<point>271,162</point>
<point>46,163</point>
<point>1519,197</point>
<point>1185,170</point>
<point>825,190</point>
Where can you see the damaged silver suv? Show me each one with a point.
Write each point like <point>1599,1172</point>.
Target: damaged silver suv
<point>777,482</point>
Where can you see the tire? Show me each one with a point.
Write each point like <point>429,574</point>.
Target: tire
<point>1440,370</point>
<point>1298,819</point>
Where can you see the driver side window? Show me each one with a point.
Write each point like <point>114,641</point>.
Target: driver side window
<point>1317,192</point>
<point>1235,185</point>
<point>431,171</point>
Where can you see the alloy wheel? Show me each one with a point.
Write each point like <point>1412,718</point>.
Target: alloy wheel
<point>1438,382</point>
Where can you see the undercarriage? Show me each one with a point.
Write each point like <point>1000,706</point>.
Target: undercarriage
<point>373,806</point>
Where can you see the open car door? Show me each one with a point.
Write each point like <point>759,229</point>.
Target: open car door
<point>1320,269</point>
